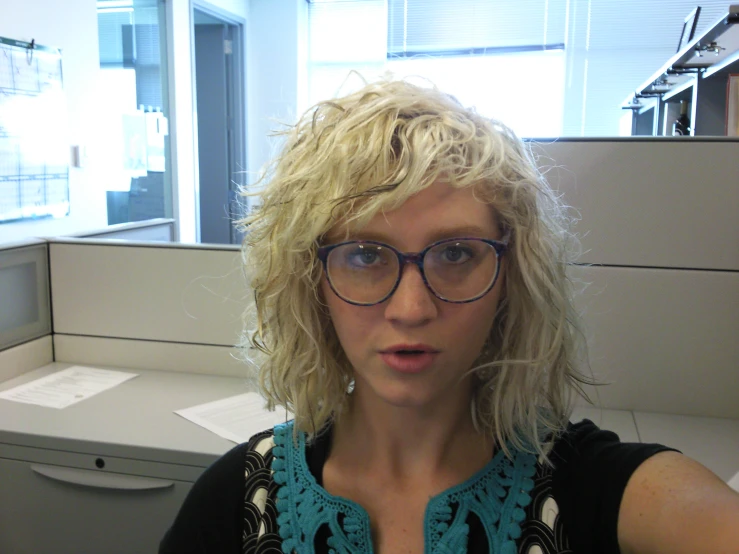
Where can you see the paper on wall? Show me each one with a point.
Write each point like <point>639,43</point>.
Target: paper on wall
<point>67,387</point>
<point>236,418</point>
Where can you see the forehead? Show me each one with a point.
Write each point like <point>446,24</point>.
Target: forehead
<point>436,212</point>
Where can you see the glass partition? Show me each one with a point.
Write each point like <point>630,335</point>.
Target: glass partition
<point>133,63</point>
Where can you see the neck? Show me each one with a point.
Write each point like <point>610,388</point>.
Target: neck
<point>408,442</point>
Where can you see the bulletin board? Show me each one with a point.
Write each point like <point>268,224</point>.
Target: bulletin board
<point>34,146</point>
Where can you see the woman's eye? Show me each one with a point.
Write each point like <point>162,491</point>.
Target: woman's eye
<point>364,256</point>
<point>456,254</point>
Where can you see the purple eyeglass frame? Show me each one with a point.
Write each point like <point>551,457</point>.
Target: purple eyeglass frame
<point>500,247</point>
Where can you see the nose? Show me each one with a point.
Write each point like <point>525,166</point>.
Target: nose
<point>412,303</point>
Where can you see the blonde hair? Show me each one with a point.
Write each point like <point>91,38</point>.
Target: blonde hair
<point>350,158</point>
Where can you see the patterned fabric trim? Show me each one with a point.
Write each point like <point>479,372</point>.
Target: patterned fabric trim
<point>542,532</point>
<point>260,513</point>
<point>541,529</point>
<point>304,507</point>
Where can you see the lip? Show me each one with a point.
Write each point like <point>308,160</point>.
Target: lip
<point>422,347</point>
<point>409,363</point>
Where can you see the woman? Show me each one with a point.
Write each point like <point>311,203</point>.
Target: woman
<point>409,271</point>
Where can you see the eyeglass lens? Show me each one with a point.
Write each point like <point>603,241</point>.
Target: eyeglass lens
<point>456,270</point>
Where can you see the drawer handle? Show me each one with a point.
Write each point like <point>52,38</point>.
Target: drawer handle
<point>99,479</point>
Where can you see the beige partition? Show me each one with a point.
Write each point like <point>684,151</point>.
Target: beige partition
<point>653,203</point>
<point>24,292</point>
<point>25,357</point>
<point>666,339</point>
<point>659,221</point>
<point>149,354</point>
<point>155,292</point>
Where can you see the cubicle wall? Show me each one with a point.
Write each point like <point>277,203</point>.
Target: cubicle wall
<point>661,252</point>
<point>651,203</point>
<point>171,307</point>
<point>25,319</point>
<point>660,226</point>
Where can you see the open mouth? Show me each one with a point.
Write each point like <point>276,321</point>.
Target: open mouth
<point>410,360</point>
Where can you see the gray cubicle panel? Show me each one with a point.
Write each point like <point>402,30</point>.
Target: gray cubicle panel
<point>666,340</point>
<point>173,307</point>
<point>658,223</point>
<point>25,357</point>
<point>24,293</point>
<point>653,202</point>
<point>148,291</point>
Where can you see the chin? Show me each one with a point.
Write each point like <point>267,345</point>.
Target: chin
<point>412,395</point>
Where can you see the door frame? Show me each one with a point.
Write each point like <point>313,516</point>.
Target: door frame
<point>236,66</point>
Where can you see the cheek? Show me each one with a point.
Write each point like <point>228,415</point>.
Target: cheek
<point>475,326</point>
<point>349,322</point>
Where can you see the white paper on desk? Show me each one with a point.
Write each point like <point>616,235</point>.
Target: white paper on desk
<point>236,418</point>
<point>66,387</point>
<point>734,482</point>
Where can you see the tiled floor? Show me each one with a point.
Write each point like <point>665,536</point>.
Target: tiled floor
<point>714,442</point>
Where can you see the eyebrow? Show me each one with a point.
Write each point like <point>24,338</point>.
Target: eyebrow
<point>436,235</point>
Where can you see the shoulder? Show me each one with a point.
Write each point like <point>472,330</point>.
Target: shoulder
<point>592,468</point>
<point>674,504</point>
<point>584,450</point>
<point>211,518</point>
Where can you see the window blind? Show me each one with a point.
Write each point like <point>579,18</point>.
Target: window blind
<point>110,39</point>
<point>443,27</point>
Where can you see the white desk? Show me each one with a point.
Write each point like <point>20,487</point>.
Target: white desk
<point>51,477</point>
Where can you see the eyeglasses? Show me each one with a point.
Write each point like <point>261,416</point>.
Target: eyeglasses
<point>457,270</point>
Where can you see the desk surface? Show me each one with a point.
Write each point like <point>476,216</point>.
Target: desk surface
<point>134,419</point>
<point>137,419</point>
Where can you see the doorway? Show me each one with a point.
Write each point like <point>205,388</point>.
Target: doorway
<point>221,122</point>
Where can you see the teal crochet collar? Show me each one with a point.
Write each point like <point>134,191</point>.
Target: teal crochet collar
<point>496,494</point>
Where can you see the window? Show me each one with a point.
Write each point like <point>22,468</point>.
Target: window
<point>471,49</point>
<point>484,82</point>
<point>544,67</point>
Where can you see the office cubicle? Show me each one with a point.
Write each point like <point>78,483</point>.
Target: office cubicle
<point>108,474</point>
<point>661,255</point>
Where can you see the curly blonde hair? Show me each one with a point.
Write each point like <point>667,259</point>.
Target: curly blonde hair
<point>350,158</point>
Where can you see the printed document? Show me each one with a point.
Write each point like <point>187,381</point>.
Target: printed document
<point>67,387</point>
<point>236,418</point>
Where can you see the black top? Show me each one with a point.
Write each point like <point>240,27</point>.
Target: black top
<point>574,506</point>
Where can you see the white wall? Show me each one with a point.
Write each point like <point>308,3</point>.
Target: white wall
<point>276,73</point>
<point>72,26</point>
<point>239,8</point>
